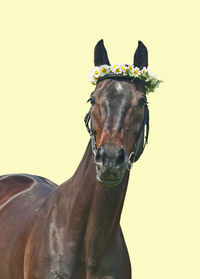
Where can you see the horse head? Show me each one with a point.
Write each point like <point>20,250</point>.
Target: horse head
<point>119,118</point>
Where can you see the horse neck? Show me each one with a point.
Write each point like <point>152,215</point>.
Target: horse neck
<point>88,210</point>
<point>103,201</point>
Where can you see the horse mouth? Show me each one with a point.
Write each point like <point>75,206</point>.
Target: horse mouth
<point>109,182</point>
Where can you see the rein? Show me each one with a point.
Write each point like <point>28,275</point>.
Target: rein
<point>133,155</point>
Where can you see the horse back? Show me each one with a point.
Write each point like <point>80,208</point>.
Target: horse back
<point>21,196</point>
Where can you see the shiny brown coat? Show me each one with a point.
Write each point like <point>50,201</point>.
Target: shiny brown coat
<point>73,231</point>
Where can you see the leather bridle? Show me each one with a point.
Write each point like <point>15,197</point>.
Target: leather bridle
<point>144,132</point>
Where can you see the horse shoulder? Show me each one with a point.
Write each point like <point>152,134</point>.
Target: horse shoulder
<point>21,197</point>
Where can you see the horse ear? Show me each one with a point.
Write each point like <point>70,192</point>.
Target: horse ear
<point>141,56</point>
<point>100,54</point>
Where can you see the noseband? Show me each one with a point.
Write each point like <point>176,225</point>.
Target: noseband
<point>133,155</point>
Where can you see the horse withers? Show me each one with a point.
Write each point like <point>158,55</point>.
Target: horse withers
<point>72,231</point>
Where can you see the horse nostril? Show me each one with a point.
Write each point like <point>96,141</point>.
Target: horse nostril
<point>100,155</point>
<point>120,158</point>
<point>97,157</point>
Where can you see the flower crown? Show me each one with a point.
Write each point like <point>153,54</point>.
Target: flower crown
<point>150,79</point>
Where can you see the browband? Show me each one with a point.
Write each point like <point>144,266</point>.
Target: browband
<point>115,77</point>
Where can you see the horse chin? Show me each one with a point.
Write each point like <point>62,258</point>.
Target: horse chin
<point>109,183</point>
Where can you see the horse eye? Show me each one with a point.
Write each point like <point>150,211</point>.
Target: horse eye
<point>91,100</point>
<point>143,102</point>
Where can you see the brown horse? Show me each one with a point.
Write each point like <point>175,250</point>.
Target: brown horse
<point>73,231</point>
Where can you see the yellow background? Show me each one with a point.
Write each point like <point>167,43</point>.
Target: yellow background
<point>46,53</point>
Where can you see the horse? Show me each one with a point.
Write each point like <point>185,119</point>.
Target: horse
<point>72,231</point>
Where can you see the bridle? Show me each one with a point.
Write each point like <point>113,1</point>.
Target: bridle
<point>144,132</point>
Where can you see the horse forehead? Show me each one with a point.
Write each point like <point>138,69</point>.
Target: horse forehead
<point>119,91</point>
<point>118,87</point>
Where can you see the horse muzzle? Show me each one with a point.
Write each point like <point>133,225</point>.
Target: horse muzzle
<point>111,164</point>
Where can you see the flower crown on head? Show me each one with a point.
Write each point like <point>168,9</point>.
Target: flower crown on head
<point>150,79</point>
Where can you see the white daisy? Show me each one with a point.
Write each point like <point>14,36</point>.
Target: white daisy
<point>104,69</point>
<point>115,69</point>
<point>131,67</point>
<point>151,74</point>
<point>96,72</point>
<point>92,78</point>
<point>123,68</point>
<point>126,72</point>
<point>94,75</point>
<point>144,70</point>
<point>136,71</point>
